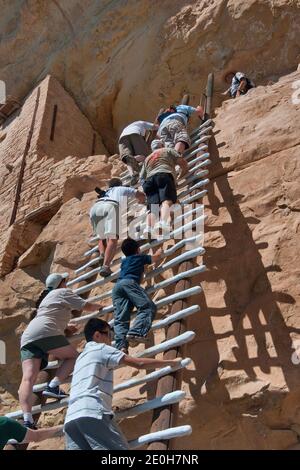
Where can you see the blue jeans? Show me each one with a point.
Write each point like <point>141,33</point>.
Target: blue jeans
<point>126,295</point>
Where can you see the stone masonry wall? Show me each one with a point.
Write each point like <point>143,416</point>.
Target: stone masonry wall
<point>48,165</point>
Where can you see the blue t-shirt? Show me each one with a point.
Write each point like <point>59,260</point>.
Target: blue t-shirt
<point>132,267</point>
<point>183,112</point>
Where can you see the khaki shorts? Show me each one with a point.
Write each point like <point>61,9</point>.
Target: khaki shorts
<point>174,131</point>
<point>132,145</point>
<point>104,217</point>
<point>39,349</point>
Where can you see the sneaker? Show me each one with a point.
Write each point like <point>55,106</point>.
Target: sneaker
<point>134,179</point>
<point>131,161</point>
<point>29,425</point>
<point>54,392</point>
<point>147,231</point>
<point>135,339</point>
<point>105,271</point>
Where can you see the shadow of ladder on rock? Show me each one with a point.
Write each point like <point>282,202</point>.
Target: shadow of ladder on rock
<point>168,393</point>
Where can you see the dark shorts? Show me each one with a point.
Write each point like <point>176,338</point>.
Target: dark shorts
<point>39,349</point>
<point>159,188</point>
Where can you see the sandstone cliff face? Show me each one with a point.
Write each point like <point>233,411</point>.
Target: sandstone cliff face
<point>243,387</point>
<point>123,60</point>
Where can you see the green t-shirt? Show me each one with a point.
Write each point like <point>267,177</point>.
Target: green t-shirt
<point>11,429</point>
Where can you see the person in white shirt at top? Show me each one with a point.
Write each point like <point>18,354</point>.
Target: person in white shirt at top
<point>46,334</point>
<point>89,423</point>
<point>106,215</point>
<point>133,147</point>
<point>239,83</point>
<point>173,126</point>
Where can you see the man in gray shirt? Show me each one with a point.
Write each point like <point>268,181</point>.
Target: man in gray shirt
<point>89,423</point>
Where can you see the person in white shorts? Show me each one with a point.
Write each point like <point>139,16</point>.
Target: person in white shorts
<point>90,423</point>
<point>104,216</point>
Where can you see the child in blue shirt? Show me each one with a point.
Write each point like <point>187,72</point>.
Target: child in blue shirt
<point>127,294</point>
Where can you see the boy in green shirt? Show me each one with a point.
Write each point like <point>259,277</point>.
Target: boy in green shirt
<point>12,429</point>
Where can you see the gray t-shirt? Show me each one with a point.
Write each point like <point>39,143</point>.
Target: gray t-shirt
<point>92,382</point>
<point>160,161</point>
<point>53,315</point>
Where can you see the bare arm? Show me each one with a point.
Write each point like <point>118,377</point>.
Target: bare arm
<point>157,256</point>
<point>183,166</point>
<point>89,307</point>
<point>242,84</point>
<point>41,434</point>
<point>147,363</point>
<point>226,92</point>
<point>200,111</point>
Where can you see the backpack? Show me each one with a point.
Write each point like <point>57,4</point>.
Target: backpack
<point>100,192</point>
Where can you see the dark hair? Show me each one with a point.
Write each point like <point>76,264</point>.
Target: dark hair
<point>100,192</point>
<point>129,247</point>
<point>93,325</point>
<point>115,182</point>
<point>39,301</point>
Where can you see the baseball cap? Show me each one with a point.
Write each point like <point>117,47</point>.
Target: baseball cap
<point>54,279</point>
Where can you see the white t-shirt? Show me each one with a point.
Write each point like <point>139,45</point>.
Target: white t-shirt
<point>92,382</point>
<point>117,193</point>
<point>138,127</point>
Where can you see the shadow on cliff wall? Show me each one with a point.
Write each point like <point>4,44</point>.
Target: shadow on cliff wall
<point>248,293</point>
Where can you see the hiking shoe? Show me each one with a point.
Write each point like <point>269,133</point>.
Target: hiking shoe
<point>105,271</point>
<point>131,161</point>
<point>29,425</point>
<point>135,339</point>
<point>134,179</point>
<point>54,392</point>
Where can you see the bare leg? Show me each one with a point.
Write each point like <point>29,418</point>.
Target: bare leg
<point>101,247</point>
<point>165,211</point>
<point>151,219</point>
<point>110,251</point>
<point>31,368</point>
<point>69,356</point>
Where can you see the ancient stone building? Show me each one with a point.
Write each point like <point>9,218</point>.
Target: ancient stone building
<point>36,141</point>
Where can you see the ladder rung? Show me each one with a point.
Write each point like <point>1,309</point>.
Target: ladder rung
<point>165,434</point>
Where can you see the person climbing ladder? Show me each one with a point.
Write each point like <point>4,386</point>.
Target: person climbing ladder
<point>173,126</point>
<point>159,182</point>
<point>133,147</point>
<point>90,423</point>
<point>105,219</point>
<point>45,335</point>
<point>127,294</point>
<point>11,429</point>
